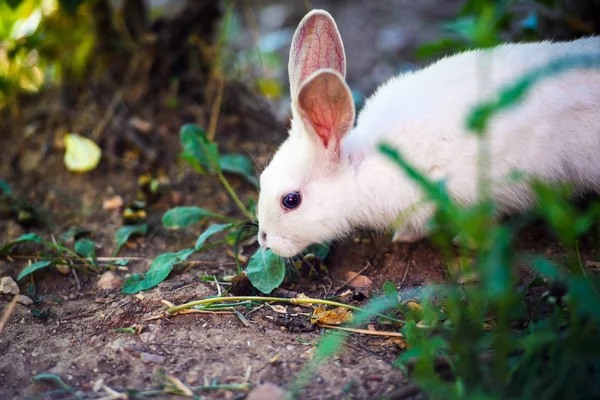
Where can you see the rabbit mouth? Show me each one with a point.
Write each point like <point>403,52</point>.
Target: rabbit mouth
<point>284,248</point>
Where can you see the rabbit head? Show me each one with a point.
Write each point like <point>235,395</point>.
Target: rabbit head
<point>306,187</point>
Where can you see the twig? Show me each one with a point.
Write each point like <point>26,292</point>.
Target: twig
<point>108,114</point>
<point>116,99</point>
<point>173,310</point>
<point>232,386</point>
<point>76,279</point>
<point>216,107</point>
<point>182,387</point>
<point>217,73</point>
<point>7,313</point>
<point>404,392</point>
<point>347,282</point>
<point>408,264</point>
<point>8,257</point>
<point>362,331</point>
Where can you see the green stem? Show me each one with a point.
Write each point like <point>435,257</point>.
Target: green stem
<point>225,218</point>
<point>60,248</point>
<point>233,386</point>
<point>279,300</point>
<point>234,196</point>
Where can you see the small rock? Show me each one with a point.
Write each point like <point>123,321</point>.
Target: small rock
<point>30,160</point>
<point>147,337</point>
<point>114,203</point>
<point>9,286</point>
<point>26,301</point>
<point>176,198</point>
<point>267,391</point>
<point>13,230</point>
<point>152,358</point>
<point>109,281</point>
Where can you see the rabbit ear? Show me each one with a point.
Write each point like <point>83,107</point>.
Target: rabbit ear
<point>316,44</point>
<point>327,109</point>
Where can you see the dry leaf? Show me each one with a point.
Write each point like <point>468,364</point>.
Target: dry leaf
<point>595,265</point>
<point>113,203</point>
<point>396,341</point>
<point>279,309</point>
<point>336,316</point>
<point>357,280</point>
<point>413,306</point>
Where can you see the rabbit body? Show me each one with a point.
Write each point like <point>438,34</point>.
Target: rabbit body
<point>553,135</point>
<point>345,183</point>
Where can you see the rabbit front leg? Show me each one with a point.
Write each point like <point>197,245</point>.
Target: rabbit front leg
<point>401,236</point>
<point>412,227</point>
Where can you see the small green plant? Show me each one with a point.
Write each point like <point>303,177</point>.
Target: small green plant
<point>82,257</point>
<point>265,270</point>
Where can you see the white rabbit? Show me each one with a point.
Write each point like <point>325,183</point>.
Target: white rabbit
<point>328,178</point>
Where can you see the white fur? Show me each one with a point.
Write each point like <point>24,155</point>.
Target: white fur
<point>554,135</point>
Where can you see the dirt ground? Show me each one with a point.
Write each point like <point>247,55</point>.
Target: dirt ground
<point>68,332</point>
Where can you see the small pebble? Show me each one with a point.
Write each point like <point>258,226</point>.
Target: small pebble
<point>109,281</point>
<point>8,286</point>
<point>26,301</point>
<point>152,358</point>
<point>267,391</point>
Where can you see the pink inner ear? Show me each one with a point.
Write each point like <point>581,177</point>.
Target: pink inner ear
<point>317,45</point>
<point>327,107</point>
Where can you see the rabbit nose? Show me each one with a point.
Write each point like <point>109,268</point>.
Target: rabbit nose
<point>262,240</point>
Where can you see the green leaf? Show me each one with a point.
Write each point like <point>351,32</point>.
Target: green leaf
<point>125,232</point>
<point>34,267</point>
<point>74,232</point>
<point>28,237</point>
<point>159,271</point>
<point>85,248</point>
<point>4,186</point>
<point>464,27</point>
<point>391,294</point>
<point>238,164</point>
<point>265,270</point>
<point>182,217</point>
<point>13,3</point>
<point>197,150</point>
<point>319,250</point>
<point>213,229</point>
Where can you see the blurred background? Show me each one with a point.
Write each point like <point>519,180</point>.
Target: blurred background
<point>124,76</point>
<point>128,74</point>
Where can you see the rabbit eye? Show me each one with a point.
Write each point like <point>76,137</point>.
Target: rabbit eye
<point>291,200</point>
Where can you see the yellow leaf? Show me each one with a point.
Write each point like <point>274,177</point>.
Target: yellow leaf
<point>336,316</point>
<point>413,306</point>
<point>81,154</point>
<point>396,341</point>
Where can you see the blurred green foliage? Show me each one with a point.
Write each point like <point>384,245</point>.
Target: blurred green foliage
<point>484,23</point>
<point>41,41</point>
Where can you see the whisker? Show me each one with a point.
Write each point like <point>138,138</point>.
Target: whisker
<point>311,266</point>
<point>259,170</point>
